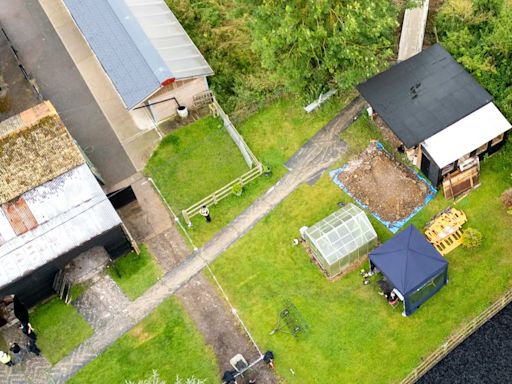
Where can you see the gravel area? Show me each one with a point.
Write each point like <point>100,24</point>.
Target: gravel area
<point>484,358</point>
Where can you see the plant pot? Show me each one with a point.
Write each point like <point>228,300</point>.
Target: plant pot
<point>182,111</point>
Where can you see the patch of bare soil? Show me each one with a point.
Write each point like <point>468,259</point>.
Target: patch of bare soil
<point>387,133</point>
<point>385,185</point>
<point>221,329</point>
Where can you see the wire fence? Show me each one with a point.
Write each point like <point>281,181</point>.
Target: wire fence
<point>457,338</point>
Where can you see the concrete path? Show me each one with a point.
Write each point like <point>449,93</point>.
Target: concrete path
<point>46,59</point>
<point>413,31</point>
<point>323,150</point>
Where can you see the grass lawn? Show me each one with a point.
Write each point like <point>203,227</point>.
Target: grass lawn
<point>274,134</point>
<point>353,332</point>
<point>166,341</point>
<point>135,273</point>
<point>59,328</point>
<point>195,161</point>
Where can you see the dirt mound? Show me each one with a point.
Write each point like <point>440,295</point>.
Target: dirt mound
<point>385,185</point>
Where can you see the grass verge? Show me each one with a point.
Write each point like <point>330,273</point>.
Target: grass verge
<point>59,328</point>
<point>135,273</point>
<point>166,341</point>
<point>350,326</point>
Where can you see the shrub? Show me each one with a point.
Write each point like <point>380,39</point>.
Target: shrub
<point>237,189</point>
<point>471,238</point>
<point>506,198</point>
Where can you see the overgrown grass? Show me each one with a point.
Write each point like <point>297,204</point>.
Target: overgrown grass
<point>135,273</point>
<point>195,161</point>
<point>59,328</point>
<point>3,344</point>
<point>274,134</point>
<point>353,333</point>
<point>166,341</point>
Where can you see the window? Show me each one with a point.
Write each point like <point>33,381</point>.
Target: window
<point>497,139</point>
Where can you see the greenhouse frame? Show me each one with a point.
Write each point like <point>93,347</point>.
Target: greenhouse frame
<point>340,239</point>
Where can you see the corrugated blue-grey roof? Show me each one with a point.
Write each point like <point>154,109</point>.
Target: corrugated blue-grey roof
<point>131,62</point>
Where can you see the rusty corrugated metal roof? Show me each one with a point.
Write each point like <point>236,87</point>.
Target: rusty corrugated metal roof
<point>19,215</point>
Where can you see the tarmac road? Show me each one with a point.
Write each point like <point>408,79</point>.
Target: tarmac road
<point>47,61</point>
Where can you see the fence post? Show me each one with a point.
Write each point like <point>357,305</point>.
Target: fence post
<point>187,219</point>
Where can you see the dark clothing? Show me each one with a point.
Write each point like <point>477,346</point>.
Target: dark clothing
<point>208,218</point>
<point>229,377</point>
<point>15,348</point>
<point>20,311</point>
<point>30,333</point>
<point>268,357</point>
<point>32,347</point>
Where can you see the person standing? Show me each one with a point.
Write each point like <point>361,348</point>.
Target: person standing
<point>5,358</point>
<point>205,212</point>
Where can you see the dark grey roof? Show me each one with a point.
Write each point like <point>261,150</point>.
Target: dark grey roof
<point>423,95</point>
<point>121,46</point>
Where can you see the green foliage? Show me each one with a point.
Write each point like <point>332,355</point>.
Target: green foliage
<point>314,45</point>
<point>135,273</point>
<point>166,341</point>
<point>472,238</point>
<point>237,189</point>
<point>479,35</point>
<point>59,328</point>
<point>220,31</point>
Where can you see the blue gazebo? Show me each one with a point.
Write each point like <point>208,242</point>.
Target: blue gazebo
<point>412,266</point>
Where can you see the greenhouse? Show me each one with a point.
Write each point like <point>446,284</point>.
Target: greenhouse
<point>340,239</point>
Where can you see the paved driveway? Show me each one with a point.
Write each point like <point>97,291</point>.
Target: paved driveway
<point>47,60</point>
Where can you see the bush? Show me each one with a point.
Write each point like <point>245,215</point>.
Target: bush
<point>237,189</point>
<point>506,198</point>
<point>471,238</point>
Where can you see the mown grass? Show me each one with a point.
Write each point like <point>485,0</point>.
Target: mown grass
<point>353,333</point>
<point>165,341</point>
<point>135,273</point>
<point>274,134</point>
<point>195,161</point>
<point>59,328</point>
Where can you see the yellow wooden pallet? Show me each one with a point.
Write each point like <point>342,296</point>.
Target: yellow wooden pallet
<point>444,231</point>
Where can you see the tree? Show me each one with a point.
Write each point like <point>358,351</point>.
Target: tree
<point>314,45</point>
<point>478,33</point>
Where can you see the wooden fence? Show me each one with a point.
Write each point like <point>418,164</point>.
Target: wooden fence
<point>221,193</point>
<point>454,340</point>
<point>246,152</point>
<point>251,160</point>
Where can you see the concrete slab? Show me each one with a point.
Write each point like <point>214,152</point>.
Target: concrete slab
<point>413,31</point>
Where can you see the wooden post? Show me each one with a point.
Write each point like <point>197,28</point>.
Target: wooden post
<point>187,219</point>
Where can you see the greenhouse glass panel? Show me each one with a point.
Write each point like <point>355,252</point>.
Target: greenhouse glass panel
<point>341,238</point>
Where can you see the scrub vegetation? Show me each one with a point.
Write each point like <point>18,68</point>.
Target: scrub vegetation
<point>166,341</point>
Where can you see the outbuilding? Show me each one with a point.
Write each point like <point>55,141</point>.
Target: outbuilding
<point>412,266</point>
<point>340,239</point>
<point>445,120</point>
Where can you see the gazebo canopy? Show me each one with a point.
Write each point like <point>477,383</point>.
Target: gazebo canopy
<point>408,260</point>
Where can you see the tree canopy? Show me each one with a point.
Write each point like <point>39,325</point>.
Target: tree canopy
<point>314,45</point>
<point>478,33</point>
